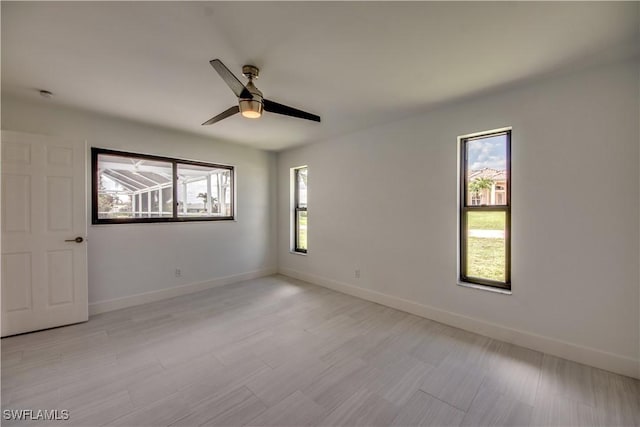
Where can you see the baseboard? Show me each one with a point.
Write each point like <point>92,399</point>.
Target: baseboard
<point>575,352</point>
<point>132,300</point>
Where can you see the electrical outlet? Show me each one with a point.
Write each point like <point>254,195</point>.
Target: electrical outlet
<point>178,272</point>
<point>357,273</point>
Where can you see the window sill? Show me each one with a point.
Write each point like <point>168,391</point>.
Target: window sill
<point>485,288</point>
<point>298,253</point>
<point>152,223</point>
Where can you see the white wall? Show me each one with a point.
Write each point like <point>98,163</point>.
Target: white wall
<point>132,259</point>
<point>384,200</point>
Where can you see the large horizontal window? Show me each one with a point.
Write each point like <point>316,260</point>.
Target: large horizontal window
<point>485,209</point>
<point>129,187</point>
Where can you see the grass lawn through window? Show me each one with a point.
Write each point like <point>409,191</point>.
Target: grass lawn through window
<point>486,245</point>
<point>302,231</point>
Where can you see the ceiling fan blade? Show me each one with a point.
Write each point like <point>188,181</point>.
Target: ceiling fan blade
<point>274,107</point>
<point>232,81</point>
<point>226,113</point>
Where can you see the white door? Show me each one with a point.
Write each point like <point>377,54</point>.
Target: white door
<point>44,269</point>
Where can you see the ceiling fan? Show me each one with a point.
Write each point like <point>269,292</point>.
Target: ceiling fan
<point>250,100</point>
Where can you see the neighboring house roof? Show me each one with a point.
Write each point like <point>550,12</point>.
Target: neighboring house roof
<point>493,174</point>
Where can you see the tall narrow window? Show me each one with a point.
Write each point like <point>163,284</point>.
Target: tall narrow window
<point>485,209</point>
<point>300,209</point>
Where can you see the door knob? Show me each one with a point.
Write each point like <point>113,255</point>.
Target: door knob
<point>77,240</point>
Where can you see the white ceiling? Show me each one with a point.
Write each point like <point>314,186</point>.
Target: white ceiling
<point>355,64</point>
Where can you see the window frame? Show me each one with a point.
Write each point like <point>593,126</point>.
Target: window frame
<point>296,210</point>
<point>95,220</point>
<point>466,206</point>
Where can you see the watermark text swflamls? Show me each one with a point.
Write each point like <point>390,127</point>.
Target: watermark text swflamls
<point>35,414</point>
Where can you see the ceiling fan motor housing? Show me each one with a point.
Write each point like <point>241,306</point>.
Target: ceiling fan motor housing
<point>250,71</point>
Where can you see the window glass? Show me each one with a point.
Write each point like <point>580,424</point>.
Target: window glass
<point>486,250</point>
<point>302,187</point>
<point>203,191</point>
<point>130,187</point>
<point>487,171</point>
<point>301,230</point>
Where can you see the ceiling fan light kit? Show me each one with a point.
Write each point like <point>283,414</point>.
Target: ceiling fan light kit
<point>250,108</point>
<point>251,103</point>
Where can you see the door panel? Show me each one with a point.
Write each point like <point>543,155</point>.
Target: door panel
<point>59,198</point>
<point>59,156</point>
<point>44,271</point>
<point>16,281</point>
<point>16,153</point>
<point>16,213</point>
<point>60,276</point>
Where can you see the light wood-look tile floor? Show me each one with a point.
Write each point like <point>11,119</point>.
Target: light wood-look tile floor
<point>280,352</point>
